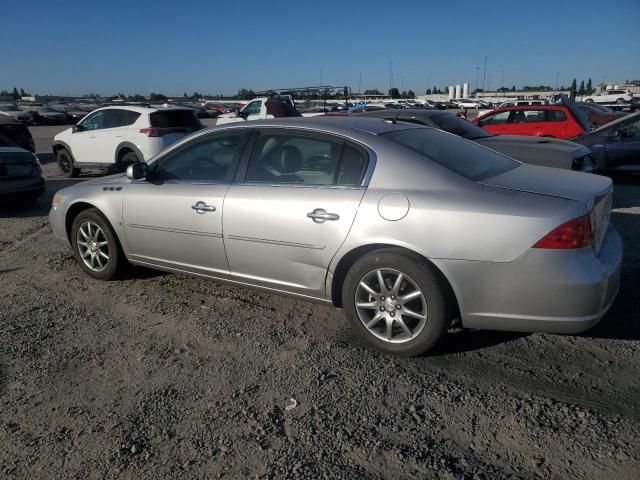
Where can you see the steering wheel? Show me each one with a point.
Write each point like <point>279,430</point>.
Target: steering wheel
<point>205,168</point>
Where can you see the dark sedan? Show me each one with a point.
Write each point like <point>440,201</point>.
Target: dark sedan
<point>616,146</point>
<point>548,152</point>
<point>20,174</point>
<point>599,115</point>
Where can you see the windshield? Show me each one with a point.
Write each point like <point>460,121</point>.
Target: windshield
<point>459,126</point>
<point>454,153</point>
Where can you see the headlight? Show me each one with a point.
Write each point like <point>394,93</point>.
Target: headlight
<point>57,199</point>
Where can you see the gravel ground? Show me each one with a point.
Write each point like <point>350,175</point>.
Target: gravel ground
<point>165,376</point>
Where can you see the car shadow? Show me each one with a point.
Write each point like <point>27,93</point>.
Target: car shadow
<point>46,158</point>
<point>471,340</point>
<point>621,322</point>
<point>8,270</point>
<point>15,206</point>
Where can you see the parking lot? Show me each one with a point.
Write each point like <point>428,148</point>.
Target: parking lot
<point>162,375</point>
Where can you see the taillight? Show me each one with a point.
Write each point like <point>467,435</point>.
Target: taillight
<point>151,132</point>
<point>576,233</point>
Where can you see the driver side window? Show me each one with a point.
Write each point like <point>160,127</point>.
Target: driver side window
<point>94,121</point>
<point>212,159</point>
<point>253,108</point>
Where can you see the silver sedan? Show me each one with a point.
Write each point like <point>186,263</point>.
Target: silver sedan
<point>405,227</point>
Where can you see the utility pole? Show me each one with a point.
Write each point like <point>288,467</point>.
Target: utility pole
<point>360,84</point>
<point>390,75</point>
<point>502,81</point>
<point>320,77</point>
<point>489,84</point>
<point>402,84</point>
<point>477,70</point>
<point>484,74</point>
<point>557,80</point>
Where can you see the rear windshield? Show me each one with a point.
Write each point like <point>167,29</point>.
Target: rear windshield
<point>459,126</point>
<point>181,119</point>
<point>458,155</point>
<point>18,134</point>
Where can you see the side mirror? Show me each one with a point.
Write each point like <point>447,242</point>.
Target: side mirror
<point>137,171</point>
<point>480,123</point>
<point>77,128</point>
<point>243,114</point>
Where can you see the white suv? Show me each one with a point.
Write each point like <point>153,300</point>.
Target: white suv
<point>114,137</point>
<point>610,96</point>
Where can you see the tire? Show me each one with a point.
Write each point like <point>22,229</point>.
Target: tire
<point>589,100</point>
<point>66,164</point>
<point>433,302</point>
<point>104,240</point>
<point>127,159</point>
<point>620,101</point>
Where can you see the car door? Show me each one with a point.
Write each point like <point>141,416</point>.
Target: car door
<point>253,111</point>
<point>173,218</point>
<point>623,145</point>
<point>83,140</point>
<point>112,134</point>
<point>285,219</point>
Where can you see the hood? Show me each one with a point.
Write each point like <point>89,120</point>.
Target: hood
<point>578,114</point>
<point>581,187</point>
<point>108,180</point>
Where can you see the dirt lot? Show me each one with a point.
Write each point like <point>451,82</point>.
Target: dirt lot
<point>164,376</point>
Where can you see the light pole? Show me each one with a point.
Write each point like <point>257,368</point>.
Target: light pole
<point>502,81</point>
<point>489,83</point>
<point>360,84</point>
<point>484,73</point>
<point>477,71</point>
<point>390,75</point>
<point>557,80</point>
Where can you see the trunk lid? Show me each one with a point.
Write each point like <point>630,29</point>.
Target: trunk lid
<point>594,191</point>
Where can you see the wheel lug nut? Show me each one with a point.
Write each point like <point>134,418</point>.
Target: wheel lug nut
<point>392,297</point>
<point>398,307</point>
<point>382,309</point>
<point>393,314</point>
<point>381,298</point>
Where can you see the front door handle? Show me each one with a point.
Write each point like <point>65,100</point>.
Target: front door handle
<point>201,208</point>
<point>320,215</point>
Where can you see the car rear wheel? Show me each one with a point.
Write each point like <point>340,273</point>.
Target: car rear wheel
<point>397,302</point>
<point>95,245</point>
<point>620,101</point>
<point>66,165</point>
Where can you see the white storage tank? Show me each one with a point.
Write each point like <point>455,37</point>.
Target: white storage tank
<point>450,92</point>
<point>465,90</point>
<point>458,92</point>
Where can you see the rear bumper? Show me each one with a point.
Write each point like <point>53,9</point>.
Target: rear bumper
<point>558,291</point>
<point>30,186</point>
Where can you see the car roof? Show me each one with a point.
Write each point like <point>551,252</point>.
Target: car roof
<point>617,121</point>
<point>135,108</point>
<point>346,125</point>
<point>404,113</point>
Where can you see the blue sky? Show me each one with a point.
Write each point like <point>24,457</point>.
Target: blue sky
<point>139,46</point>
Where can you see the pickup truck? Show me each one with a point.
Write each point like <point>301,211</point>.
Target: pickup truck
<point>262,108</point>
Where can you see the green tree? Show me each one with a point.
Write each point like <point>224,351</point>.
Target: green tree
<point>581,88</point>
<point>411,94</point>
<point>394,93</point>
<point>22,93</point>
<point>513,89</point>
<point>157,97</point>
<point>373,91</point>
<point>435,90</point>
<point>589,87</point>
<point>574,85</point>
<point>16,94</point>
<point>428,92</point>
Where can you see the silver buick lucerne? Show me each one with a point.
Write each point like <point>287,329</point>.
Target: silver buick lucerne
<point>404,227</point>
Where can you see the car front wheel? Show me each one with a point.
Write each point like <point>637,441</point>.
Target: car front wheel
<point>66,165</point>
<point>397,302</point>
<point>95,245</point>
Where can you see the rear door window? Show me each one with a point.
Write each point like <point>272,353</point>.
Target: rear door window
<point>556,116</point>
<point>284,158</point>
<point>115,118</point>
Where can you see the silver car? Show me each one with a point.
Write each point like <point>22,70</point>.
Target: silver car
<point>405,227</point>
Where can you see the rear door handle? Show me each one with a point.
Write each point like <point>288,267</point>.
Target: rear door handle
<point>320,215</point>
<point>201,208</point>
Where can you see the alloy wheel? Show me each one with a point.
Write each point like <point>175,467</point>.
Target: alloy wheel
<point>390,305</point>
<point>64,162</point>
<point>93,246</point>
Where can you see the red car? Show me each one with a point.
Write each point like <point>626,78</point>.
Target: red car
<point>559,121</point>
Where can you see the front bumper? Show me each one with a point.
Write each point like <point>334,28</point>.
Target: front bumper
<point>57,223</point>
<point>558,291</point>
